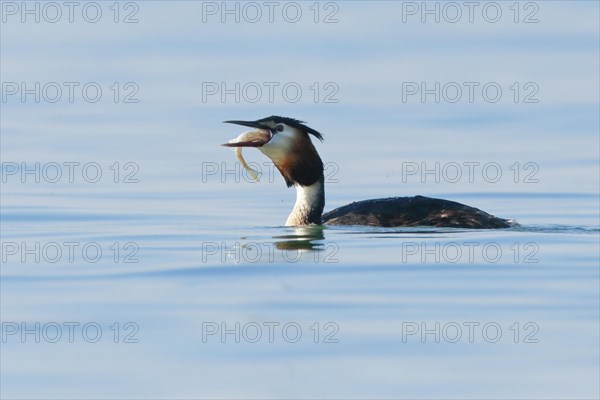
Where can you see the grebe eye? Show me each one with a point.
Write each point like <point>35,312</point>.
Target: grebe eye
<point>279,128</point>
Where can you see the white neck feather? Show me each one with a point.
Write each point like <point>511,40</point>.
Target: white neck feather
<point>310,201</point>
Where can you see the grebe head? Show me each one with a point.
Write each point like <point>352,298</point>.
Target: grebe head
<point>287,143</point>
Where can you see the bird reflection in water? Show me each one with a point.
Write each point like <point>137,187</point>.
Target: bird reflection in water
<point>308,237</point>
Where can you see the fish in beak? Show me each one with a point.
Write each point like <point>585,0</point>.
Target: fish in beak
<point>255,138</point>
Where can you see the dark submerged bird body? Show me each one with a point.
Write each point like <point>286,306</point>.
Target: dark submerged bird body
<point>286,141</point>
<point>413,211</point>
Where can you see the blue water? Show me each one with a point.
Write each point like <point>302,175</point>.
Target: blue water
<point>170,275</point>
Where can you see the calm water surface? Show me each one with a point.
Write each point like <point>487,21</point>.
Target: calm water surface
<point>354,302</point>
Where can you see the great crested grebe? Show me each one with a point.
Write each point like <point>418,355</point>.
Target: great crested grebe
<point>287,143</point>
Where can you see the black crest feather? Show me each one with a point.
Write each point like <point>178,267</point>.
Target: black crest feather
<point>293,123</point>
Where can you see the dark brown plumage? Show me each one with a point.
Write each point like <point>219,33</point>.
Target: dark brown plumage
<point>413,211</point>
<point>303,164</point>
